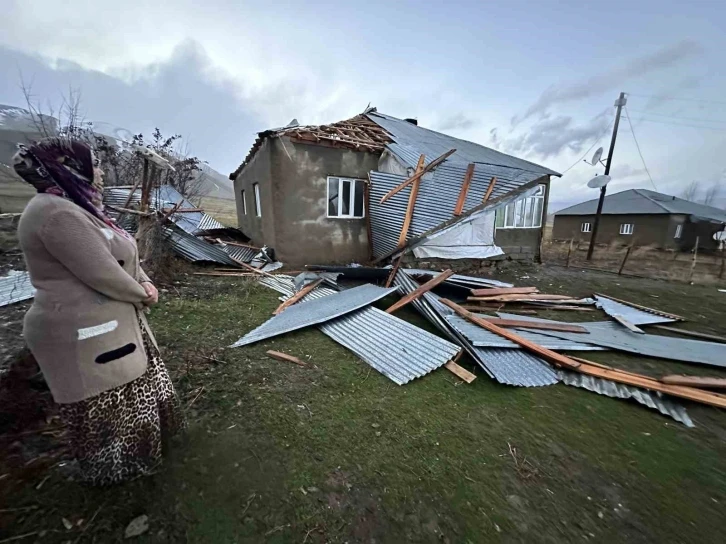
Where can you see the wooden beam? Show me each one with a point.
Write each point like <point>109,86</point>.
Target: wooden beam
<point>297,296</point>
<point>492,183</point>
<point>504,291</point>
<point>464,189</point>
<point>280,356</point>
<point>695,381</point>
<point>701,335</point>
<point>433,164</point>
<point>250,268</point>
<point>394,270</point>
<point>524,324</point>
<point>413,295</point>
<point>520,298</point>
<point>411,203</point>
<point>627,324</point>
<point>593,369</point>
<point>460,371</point>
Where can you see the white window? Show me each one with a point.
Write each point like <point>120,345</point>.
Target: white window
<point>258,207</point>
<point>679,231</point>
<point>244,202</point>
<point>525,213</point>
<point>586,227</point>
<point>626,228</point>
<point>345,197</point>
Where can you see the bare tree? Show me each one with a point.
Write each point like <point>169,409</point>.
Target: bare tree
<point>690,192</point>
<point>711,194</point>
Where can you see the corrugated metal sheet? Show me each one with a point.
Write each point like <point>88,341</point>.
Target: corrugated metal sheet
<point>244,254</point>
<point>612,335</point>
<point>470,282</point>
<point>506,370</point>
<point>412,140</point>
<point>15,287</point>
<point>437,196</point>
<point>209,223</point>
<point>619,391</point>
<point>394,347</point>
<point>634,315</point>
<point>193,249</point>
<point>307,313</point>
<point>480,337</point>
<point>517,367</point>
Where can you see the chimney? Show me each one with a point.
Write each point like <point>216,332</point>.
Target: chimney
<point>411,120</point>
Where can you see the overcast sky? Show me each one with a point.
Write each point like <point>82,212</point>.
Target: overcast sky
<point>534,79</point>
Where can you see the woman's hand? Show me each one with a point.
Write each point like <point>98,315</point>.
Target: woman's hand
<point>151,292</point>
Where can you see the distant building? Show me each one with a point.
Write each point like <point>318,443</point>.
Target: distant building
<point>643,217</point>
<point>313,193</point>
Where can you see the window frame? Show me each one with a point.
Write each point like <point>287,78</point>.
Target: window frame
<point>627,229</point>
<point>258,203</point>
<point>244,202</point>
<point>353,183</point>
<point>679,231</point>
<point>586,227</point>
<point>524,208</point>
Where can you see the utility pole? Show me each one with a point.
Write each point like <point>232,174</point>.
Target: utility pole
<point>620,102</point>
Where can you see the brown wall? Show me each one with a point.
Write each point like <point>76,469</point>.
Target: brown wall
<point>293,183</point>
<point>649,229</point>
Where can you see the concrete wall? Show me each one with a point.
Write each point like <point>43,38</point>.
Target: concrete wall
<point>260,230</point>
<point>649,229</point>
<point>518,244</point>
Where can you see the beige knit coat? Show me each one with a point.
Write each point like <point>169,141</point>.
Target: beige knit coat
<point>83,327</point>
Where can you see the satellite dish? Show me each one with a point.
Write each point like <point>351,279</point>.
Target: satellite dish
<point>596,156</point>
<point>720,236</point>
<point>598,181</point>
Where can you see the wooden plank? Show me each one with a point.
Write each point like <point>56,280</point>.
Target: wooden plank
<point>280,356</point>
<point>394,270</point>
<point>701,335</point>
<point>495,291</point>
<point>627,324</point>
<point>695,381</point>
<point>536,297</point>
<point>593,369</point>
<point>413,295</point>
<point>297,296</point>
<point>433,164</point>
<point>523,324</point>
<point>492,183</point>
<point>411,204</point>
<point>460,371</point>
<point>230,274</point>
<point>250,268</point>
<point>464,189</point>
<point>644,308</point>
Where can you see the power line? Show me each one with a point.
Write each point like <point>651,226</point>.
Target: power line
<point>662,97</point>
<point>637,145</point>
<point>697,119</point>
<point>597,141</point>
<point>718,129</point>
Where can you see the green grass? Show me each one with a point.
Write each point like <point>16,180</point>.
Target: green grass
<point>336,452</point>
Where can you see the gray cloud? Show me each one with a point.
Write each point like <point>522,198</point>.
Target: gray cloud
<point>611,79</point>
<point>622,171</point>
<point>458,121</point>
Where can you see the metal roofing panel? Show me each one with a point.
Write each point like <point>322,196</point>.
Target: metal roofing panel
<point>397,349</point>
<point>481,337</point>
<point>619,391</point>
<point>209,223</point>
<point>610,334</point>
<point>244,254</point>
<point>192,248</point>
<point>517,367</point>
<point>307,313</point>
<point>415,140</point>
<point>633,315</point>
<point>472,282</point>
<point>15,287</point>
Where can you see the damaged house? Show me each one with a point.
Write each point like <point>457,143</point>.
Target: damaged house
<point>332,193</point>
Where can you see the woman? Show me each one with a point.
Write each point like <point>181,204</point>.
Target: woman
<point>86,327</point>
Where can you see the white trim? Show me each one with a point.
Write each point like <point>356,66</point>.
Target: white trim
<point>244,202</point>
<point>97,330</point>
<point>258,206</point>
<point>679,230</point>
<point>352,185</point>
<point>586,227</point>
<point>627,228</point>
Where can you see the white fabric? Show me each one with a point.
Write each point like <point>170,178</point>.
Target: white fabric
<point>97,330</point>
<point>467,240</point>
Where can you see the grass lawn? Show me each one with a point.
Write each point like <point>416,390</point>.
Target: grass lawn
<point>338,453</point>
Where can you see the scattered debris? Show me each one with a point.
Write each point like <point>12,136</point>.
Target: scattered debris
<point>285,357</point>
<point>695,381</point>
<point>15,287</point>
<point>608,304</point>
<point>461,372</point>
<point>704,336</point>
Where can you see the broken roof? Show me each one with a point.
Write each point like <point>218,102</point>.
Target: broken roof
<point>643,201</point>
<point>374,131</point>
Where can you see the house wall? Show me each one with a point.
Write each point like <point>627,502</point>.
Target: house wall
<point>704,230</point>
<point>649,229</point>
<point>303,232</point>
<point>518,244</point>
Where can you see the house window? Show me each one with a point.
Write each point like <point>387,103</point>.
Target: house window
<point>679,231</point>
<point>586,227</point>
<point>345,197</point>
<point>258,207</point>
<point>244,202</point>
<point>525,213</point>
<point>626,228</point>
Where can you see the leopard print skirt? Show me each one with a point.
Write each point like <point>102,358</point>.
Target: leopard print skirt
<point>118,435</point>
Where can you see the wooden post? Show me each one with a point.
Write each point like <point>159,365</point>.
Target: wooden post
<point>695,259</point>
<point>392,275</point>
<point>464,189</point>
<point>411,203</point>
<point>625,259</point>
<point>569,251</point>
